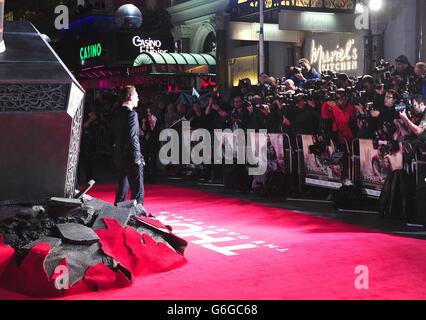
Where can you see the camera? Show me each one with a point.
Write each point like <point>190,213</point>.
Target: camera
<point>318,148</point>
<point>330,96</point>
<point>217,99</point>
<point>360,97</point>
<point>296,70</point>
<point>263,107</point>
<point>383,67</point>
<point>387,147</point>
<point>246,82</point>
<point>405,104</point>
<point>330,75</point>
<point>380,86</point>
<point>370,107</point>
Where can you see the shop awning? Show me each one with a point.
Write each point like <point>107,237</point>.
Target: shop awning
<point>177,63</point>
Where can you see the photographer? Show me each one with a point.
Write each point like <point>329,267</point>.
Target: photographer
<point>238,114</point>
<point>277,114</point>
<point>403,68</point>
<point>398,83</point>
<point>368,85</point>
<point>304,119</point>
<point>389,113</point>
<point>290,86</point>
<point>419,81</point>
<point>419,107</point>
<point>150,146</point>
<point>197,118</point>
<point>251,112</point>
<point>342,115</point>
<point>368,120</point>
<point>343,81</point>
<point>266,119</point>
<point>304,73</point>
<point>215,112</point>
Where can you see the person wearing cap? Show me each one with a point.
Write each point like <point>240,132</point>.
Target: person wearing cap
<point>344,81</point>
<point>403,67</point>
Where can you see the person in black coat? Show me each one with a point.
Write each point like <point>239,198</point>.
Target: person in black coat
<point>127,151</point>
<point>150,141</point>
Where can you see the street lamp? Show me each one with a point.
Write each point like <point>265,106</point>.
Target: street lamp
<point>375,5</point>
<point>369,5</point>
<point>261,38</point>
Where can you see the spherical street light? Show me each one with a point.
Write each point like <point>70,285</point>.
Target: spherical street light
<point>128,16</point>
<point>376,5</point>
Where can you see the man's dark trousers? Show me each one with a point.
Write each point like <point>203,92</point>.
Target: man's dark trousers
<point>130,175</point>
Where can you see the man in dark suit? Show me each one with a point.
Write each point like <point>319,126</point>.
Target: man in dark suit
<point>127,151</point>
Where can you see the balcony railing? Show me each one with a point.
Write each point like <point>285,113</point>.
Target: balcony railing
<point>241,8</point>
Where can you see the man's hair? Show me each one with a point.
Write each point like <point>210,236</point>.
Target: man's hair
<point>289,81</point>
<point>304,60</point>
<point>421,65</point>
<point>127,92</point>
<point>420,99</point>
<point>341,92</point>
<point>367,78</point>
<point>393,93</point>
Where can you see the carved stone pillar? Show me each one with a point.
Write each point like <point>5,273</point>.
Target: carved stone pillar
<point>221,50</point>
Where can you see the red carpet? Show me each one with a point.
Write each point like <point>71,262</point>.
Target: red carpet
<point>242,250</point>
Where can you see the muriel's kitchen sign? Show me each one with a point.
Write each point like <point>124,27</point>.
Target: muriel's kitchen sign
<point>343,58</point>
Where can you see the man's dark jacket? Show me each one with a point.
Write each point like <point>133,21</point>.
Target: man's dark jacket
<point>125,126</point>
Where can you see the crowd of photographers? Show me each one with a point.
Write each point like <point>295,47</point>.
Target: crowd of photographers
<point>387,106</point>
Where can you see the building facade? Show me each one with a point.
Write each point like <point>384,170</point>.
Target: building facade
<point>295,29</point>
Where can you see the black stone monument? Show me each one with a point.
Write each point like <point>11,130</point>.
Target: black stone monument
<point>41,109</point>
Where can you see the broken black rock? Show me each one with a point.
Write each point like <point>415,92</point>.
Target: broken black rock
<point>122,215</point>
<point>65,202</point>
<point>78,257</point>
<point>28,212</point>
<point>75,233</point>
<point>135,208</point>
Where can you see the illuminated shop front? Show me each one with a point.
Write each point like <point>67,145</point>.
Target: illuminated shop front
<point>322,31</point>
<point>110,61</point>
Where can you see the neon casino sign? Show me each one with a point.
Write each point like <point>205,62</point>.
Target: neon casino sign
<point>148,45</point>
<point>341,59</point>
<point>90,51</point>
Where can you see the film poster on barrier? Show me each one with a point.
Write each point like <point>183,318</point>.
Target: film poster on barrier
<point>274,153</point>
<point>274,161</point>
<point>317,171</point>
<point>376,165</point>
